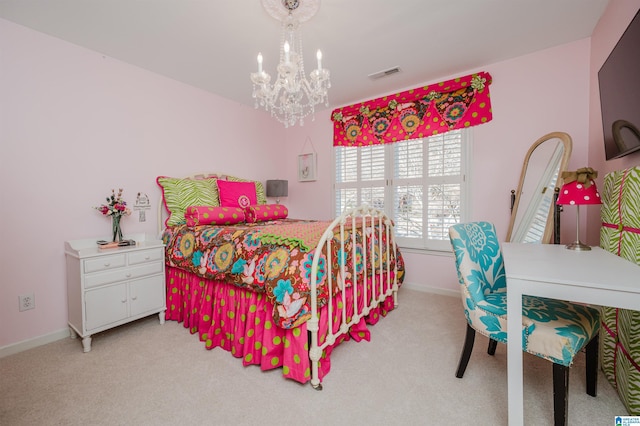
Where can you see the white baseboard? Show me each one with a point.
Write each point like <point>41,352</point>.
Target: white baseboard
<point>428,289</point>
<point>15,348</point>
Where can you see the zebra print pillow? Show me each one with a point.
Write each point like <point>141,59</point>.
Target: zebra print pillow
<point>178,194</point>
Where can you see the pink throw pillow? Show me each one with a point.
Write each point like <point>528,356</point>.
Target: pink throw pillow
<point>264,212</point>
<point>206,215</point>
<point>236,194</point>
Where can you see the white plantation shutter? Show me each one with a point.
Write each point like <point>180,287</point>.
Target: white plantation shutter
<point>444,181</point>
<point>372,163</point>
<point>361,176</point>
<point>346,168</point>
<point>419,183</point>
<point>408,187</point>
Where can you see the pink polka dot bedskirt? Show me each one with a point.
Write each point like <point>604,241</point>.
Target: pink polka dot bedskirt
<point>240,321</point>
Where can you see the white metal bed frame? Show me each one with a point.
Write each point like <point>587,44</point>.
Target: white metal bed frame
<point>369,219</point>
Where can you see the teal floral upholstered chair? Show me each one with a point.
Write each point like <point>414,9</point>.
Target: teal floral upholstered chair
<point>551,329</point>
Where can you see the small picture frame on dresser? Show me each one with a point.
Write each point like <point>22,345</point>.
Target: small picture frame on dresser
<point>307,167</point>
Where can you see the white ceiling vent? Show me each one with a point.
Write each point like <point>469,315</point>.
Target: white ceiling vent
<point>384,73</point>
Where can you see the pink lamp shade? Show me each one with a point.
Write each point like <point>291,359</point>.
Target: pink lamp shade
<point>576,193</point>
<point>579,189</point>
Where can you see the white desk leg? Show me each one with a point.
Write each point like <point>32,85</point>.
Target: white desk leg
<point>514,353</point>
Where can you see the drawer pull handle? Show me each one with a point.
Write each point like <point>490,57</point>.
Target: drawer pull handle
<point>147,257</point>
<point>134,297</point>
<point>128,275</point>
<point>106,265</point>
<point>124,300</point>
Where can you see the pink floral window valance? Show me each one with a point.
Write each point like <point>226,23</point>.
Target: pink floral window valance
<point>421,112</point>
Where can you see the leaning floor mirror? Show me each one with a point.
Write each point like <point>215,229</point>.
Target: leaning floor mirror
<point>532,215</point>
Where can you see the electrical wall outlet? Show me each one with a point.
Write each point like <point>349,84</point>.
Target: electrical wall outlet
<point>26,302</point>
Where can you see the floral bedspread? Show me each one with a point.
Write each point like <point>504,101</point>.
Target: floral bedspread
<point>272,257</point>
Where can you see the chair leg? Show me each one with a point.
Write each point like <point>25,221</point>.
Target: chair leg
<point>466,351</point>
<point>592,366</point>
<point>492,346</point>
<point>560,394</point>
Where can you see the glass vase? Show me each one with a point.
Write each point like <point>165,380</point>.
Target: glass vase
<point>117,231</point>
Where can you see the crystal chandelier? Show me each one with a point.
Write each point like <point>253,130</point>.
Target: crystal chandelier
<point>292,96</point>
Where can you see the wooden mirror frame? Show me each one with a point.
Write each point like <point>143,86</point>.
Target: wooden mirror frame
<point>567,144</point>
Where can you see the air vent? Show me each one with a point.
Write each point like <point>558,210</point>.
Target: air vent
<point>384,73</point>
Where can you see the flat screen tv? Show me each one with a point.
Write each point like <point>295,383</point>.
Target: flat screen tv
<point>619,80</point>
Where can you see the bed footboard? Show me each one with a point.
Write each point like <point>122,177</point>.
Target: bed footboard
<point>372,276</point>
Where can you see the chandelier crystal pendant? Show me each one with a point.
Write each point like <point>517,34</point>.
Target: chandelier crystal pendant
<point>292,96</point>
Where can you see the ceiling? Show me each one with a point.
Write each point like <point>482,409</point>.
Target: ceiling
<point>213,44</point>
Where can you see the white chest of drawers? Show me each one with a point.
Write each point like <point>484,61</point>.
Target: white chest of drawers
<point>110,287</point>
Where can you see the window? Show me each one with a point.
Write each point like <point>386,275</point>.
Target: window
<point>419,183</point>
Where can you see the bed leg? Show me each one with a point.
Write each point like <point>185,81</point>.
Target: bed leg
<point>314,357</point>
<point>314,352</point>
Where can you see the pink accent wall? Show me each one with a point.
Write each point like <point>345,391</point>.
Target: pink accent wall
<point>612,24</point>
<point>75,124</point>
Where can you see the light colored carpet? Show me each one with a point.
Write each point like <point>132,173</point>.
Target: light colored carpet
<point>147,374</point>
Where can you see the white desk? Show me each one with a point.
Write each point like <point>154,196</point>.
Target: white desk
<point>596,277</point>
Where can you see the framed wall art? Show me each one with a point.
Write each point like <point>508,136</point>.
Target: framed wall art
<point>307,167</point>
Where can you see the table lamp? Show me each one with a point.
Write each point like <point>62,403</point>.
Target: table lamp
<point>579,188</point>
<point>277,189</point>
